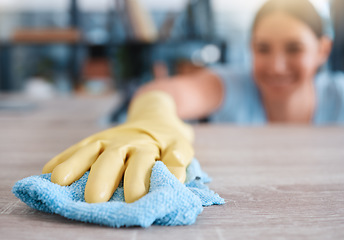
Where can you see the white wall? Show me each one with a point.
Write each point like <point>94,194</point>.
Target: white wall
<point>34,5</point>
<point>86,5</point>
<point>37,5</point>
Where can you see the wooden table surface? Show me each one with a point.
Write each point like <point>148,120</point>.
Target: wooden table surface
<point>279,182</point>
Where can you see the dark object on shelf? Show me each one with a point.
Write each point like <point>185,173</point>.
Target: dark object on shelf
<point>200,20</point>
<point>74,14</point>
<point>5,73</point>
<point>132,61</point>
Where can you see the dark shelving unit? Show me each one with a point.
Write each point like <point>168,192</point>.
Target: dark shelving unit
<point>130,59</point>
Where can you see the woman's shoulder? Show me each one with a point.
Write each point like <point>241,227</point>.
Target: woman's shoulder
<point>326,79</point>
<point>330,85</point>
<point>241,103</point>
<point>330,97</point>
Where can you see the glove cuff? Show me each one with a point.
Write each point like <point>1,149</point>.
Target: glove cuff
<point>152,104</point>
<point>157,109</point>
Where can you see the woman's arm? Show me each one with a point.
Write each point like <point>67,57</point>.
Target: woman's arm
<point>152,131</point>
<point>196,95</point>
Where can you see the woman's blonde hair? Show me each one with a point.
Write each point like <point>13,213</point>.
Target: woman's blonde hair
<point>300,9</point>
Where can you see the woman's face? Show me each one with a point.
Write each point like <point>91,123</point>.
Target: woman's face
<point>286,55</point>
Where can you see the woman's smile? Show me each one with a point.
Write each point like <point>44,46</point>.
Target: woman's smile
<point>280,82</point>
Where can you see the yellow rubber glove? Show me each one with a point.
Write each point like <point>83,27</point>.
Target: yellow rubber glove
<point>152,132</point>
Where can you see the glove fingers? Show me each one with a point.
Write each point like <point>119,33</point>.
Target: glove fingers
<point>177,157</point>
<point>77,164</point>
<point>105,175</point>
<point>49,166</point>
<point>137,174</point>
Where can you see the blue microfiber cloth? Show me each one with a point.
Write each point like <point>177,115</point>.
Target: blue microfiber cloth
<point>168,202</point>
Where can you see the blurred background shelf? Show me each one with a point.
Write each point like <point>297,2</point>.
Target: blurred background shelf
<point>125,39</point>
<point>111,46</point>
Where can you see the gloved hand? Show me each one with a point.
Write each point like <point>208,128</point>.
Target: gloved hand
<point>152,132</point>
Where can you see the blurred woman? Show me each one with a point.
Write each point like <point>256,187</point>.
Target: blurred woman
<point>289,47</point>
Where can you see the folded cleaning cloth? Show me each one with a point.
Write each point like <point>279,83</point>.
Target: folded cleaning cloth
<point>168,202</point>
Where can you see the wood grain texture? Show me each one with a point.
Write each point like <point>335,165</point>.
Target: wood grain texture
<point>279,182</point>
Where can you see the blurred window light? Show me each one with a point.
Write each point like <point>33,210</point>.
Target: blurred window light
<point>210,53</point>
<point>322,6</point>
<point>237,6</point>
<point>175,5</point>
<point>233,14</point>
<point>247,5</point>
<point>96,6</point>
<point>35,5</point>
<point>152,5</point>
